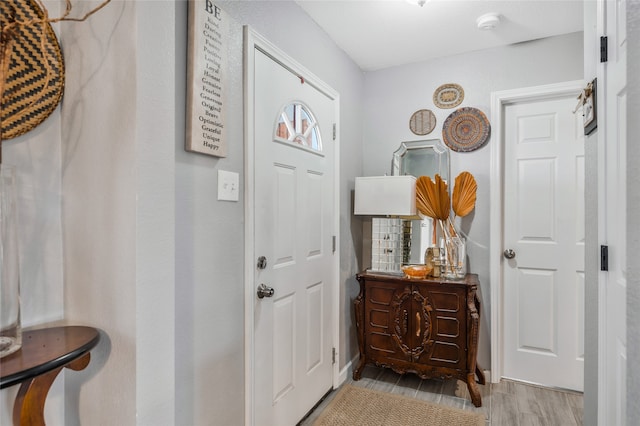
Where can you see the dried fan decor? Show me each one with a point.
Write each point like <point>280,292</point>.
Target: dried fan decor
<point>464,194</point>
<point>31,64</point>
<point>432,200</point>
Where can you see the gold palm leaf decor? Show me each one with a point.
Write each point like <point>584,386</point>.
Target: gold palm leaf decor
<point>464,194</point>
<point>425,196</point>
<point>442,192</point>
<point>432,198</point>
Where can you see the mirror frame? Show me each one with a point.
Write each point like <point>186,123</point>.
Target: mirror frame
<point>419,238</point>
<point>406,149</point>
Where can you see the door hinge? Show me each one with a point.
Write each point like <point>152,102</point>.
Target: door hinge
<point>334,243</point>
<point>333,356</point>
<point>604,258</point>
<point>604,49</point>
<point>334,131</point>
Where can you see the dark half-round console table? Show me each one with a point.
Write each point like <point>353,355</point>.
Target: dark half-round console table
<point>44,353</point>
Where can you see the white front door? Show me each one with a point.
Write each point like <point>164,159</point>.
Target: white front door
<point>294,226</point>
<point>544,231</point>
<point>614,342</point>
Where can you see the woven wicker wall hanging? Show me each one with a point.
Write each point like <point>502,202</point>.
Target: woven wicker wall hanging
<point>31,64</point>
<point>448,95</point>
<point>32,68</point>
<point>466,129</point>
<point>422,122</point>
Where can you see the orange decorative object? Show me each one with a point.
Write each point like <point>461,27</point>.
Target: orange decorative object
<point>416,272</point>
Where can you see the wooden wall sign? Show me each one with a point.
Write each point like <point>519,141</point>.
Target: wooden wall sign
<point>206,78</point>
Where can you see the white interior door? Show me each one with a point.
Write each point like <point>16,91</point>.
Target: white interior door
<point>294,186</point>
<point>614,361</point>
<point>544,229</point>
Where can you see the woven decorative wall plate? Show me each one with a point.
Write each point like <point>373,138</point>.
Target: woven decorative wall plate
<point>422,122</point>
<point>448,96</point>
<point>466,129</point>
<point>33,68</point>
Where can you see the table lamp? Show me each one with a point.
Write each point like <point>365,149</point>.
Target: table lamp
<point>391,201</point>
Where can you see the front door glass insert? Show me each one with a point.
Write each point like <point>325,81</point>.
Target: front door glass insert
<point>296,124</point>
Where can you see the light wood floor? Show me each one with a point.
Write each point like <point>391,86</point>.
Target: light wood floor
<point>506,403</point>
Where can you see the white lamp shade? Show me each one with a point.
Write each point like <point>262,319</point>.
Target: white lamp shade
<point>385,196</point>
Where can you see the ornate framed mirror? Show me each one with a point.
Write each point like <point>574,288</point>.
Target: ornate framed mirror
<point>420,158</point>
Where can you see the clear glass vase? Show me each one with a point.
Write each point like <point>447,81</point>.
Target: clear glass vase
<point>10,326</point>
<point>455,253</point>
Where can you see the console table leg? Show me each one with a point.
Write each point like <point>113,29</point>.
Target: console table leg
<point>28,408</point>
<point>80,363</point>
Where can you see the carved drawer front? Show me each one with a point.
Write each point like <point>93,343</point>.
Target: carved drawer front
<point>384,322</point>
<point>448,333</point>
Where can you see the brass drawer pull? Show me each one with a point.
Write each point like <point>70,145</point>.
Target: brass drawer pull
<point>406,322</point>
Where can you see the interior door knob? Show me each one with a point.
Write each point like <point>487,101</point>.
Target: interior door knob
<point>264,291</point>
<point>509,254</point>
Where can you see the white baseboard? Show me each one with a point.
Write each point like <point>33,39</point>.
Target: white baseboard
<point>347,371</point>
<point>344,373</point>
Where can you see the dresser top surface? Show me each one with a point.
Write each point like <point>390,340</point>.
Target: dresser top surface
<point>469,280</point>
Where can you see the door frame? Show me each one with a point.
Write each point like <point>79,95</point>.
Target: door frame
<point>499,100</point>
<point>252,41</point>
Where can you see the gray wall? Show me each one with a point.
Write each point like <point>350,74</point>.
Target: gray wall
<point>120,125</point>
<point>633,207</point>
<point>209,263</point>
<point>393,94</point>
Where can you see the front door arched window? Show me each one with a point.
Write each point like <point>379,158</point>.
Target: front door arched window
<point>296,124</point>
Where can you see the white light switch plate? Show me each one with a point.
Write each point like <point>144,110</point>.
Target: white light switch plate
<point>228,185</point>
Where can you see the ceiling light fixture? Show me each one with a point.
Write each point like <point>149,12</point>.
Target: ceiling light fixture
<point>488,21</point>
<point>418,2</point>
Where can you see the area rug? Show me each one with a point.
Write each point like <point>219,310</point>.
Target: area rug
<point>354,406</point>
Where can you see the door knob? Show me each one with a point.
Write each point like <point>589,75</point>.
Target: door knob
<point>509,254</point>
<point>264,291</point>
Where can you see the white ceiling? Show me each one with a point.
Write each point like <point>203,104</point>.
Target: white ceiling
<point>379,34</point>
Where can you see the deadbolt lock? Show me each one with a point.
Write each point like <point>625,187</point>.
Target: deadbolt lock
<point>262,262</point>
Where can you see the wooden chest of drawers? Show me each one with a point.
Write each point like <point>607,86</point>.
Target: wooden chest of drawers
<point>428,327</point>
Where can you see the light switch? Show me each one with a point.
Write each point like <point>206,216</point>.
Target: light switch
<point>228,185</point>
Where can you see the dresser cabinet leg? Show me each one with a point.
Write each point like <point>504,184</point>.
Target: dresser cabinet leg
<point>357,372</point>
<point>480,375</point>
<point>474,392</point>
